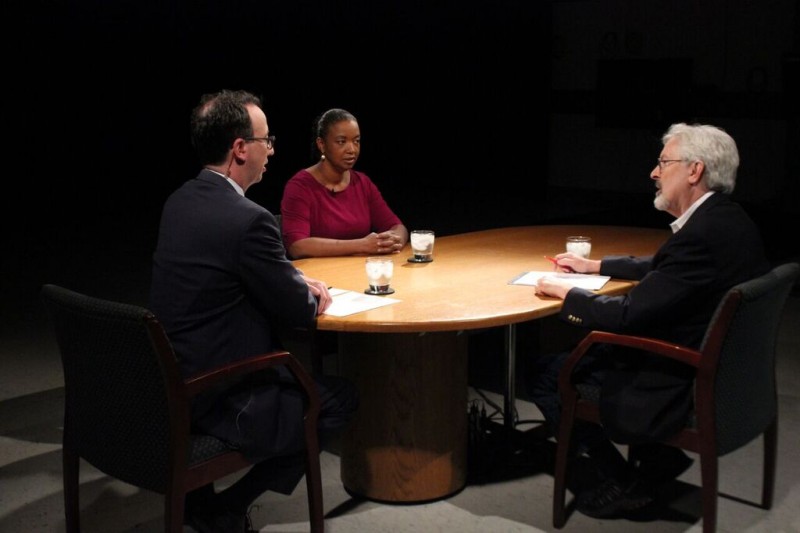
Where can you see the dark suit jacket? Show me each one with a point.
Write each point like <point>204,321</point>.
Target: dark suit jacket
<point>679,289</point>
<point>220,281</point>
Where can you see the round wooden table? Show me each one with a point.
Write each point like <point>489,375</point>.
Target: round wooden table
<point>408,441</point>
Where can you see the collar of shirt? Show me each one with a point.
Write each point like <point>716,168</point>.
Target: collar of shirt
<point>233,183</point>
<point>235,186</point>
<point>679,222</point>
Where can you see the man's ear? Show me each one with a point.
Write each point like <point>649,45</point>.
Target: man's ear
<point>238,150</point>
<point>696,172</point>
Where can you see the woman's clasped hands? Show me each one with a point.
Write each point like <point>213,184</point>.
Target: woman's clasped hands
<point>386,242</point>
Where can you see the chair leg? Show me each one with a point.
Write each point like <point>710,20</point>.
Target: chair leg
<point>709,489</point>
<point>314,488</point>
<point>562,457</point>
<point>770,464</point>
<point>173,511</point>
<point>313,473</point>
<point>70,466</point>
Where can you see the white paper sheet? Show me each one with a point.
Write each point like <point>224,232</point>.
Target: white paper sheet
<point>350,302</point>
<point>591,282</point>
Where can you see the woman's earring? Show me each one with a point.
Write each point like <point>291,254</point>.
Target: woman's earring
<point>322,157</point>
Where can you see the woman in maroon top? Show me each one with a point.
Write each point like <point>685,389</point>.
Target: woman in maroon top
<point>330,209</point>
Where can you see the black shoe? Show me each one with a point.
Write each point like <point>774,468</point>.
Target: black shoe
<point>613,498</point>
<point>660,464</point>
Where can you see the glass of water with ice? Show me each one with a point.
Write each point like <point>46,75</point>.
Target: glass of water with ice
<point>422,245</point>
<point>579,245</point>
<point>379,275</point>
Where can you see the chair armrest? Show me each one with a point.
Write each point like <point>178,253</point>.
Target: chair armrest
<point>205,380</point>
<point>656,346</point>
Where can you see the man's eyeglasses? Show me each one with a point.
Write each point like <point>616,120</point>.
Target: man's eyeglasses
<point>664,162</point>
<point>269,139</point>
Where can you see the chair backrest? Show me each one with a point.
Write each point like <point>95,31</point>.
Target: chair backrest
<point>745,390</point>
<point>118,367</point>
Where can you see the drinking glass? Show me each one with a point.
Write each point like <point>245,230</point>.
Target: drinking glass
<point>379,275</point>
<point>579,245</point>
<point>422,245</point>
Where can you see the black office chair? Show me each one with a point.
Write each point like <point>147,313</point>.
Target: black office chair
<point>735,394</point>
<point>127,408</point>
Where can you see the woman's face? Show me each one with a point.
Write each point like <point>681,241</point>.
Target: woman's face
<point>342,145</point>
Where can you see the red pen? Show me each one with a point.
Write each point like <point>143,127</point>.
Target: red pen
<point>555,262</point>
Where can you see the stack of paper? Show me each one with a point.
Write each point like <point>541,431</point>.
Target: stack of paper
<point>349,302</point>
<point>591,282</point>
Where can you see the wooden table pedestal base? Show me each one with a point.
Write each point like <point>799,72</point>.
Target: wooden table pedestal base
<point>408,442</point>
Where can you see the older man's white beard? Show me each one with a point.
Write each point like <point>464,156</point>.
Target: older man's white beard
<point>661,203</point>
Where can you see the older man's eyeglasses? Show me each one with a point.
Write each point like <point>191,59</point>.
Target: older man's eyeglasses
<point>269,139</point>
<point>664,162</point>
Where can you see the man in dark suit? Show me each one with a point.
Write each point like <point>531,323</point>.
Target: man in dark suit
<point>221,286</point>
<point>714,246</point>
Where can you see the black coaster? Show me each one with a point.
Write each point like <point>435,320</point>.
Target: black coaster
<point>415,260</point>
<point>383,293</point>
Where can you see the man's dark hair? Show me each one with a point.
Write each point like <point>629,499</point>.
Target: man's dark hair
<point>218,120</point>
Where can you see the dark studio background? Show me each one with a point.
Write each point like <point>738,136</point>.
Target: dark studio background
<point>473,114</point>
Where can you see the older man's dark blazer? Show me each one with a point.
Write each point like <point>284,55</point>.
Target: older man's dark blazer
<point>678,290</point>
<point>220,281</point>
